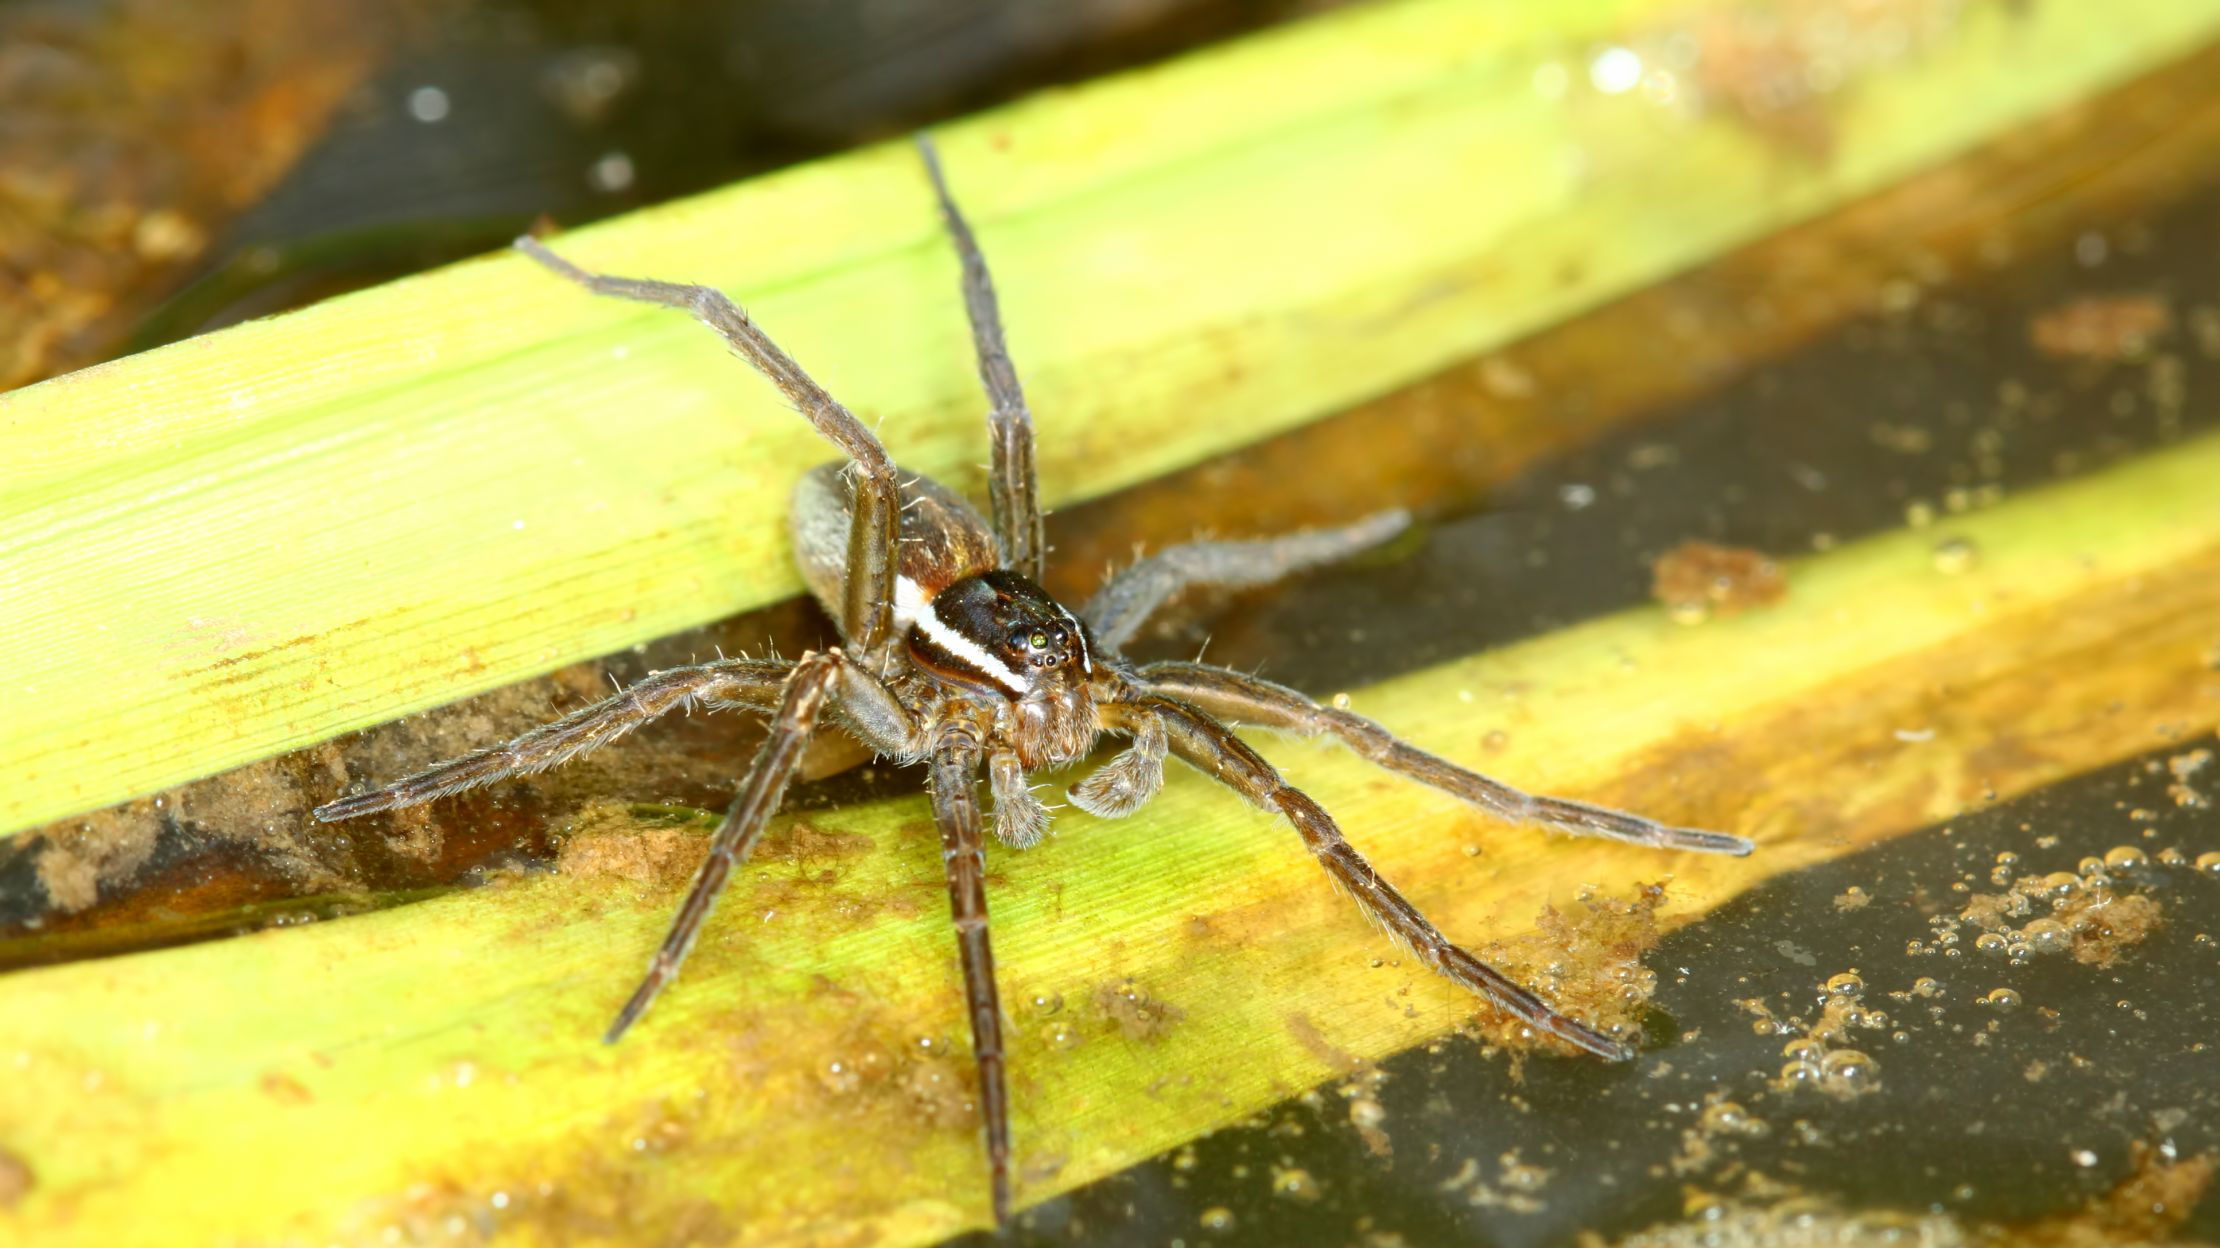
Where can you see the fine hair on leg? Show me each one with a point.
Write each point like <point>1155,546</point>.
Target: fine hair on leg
<point>1211,747</point>
<point>1129,598</point>
<point>954,768</point>
<point>813,677</point>
<point>867,615</point>
<point>1011,490</point>
<point>1247,699</point>
<point>748,683</point>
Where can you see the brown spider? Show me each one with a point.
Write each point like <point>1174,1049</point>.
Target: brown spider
<point>957,659</point>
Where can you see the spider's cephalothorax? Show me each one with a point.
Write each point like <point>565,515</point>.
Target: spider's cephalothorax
<point>956,659</point>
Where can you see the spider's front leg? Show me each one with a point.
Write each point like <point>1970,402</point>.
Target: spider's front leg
<point>1213,748</point>
<point>954,769</point>
<point>1010,484</point>
<point>746,683</point>
<point>867,612</point>
<point>1250,700</point>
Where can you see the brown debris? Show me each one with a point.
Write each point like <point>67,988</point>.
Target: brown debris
<point>2101,327</point>
<point>1696,580</point>
<point>1137,1014</point>
<point>2106,924</point>
<point>1586,960</point>
<point>104,846</point>
<point>611,844</point>
<point>145,129</point>
<point>2146,1207</point>
<point>16,1179</point>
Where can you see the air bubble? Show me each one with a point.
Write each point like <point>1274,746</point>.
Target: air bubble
<point>1846,984</point>
<point>2048,936</point>
<point>1847,1070</point>
<point>2126,858</point>
<point>2002,999</point>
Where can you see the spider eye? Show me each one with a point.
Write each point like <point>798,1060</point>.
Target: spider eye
<point>1039,640</point>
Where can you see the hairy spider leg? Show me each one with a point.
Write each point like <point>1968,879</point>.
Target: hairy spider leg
<point>1213,748</point>
<point>1127,599</point>
<point>814,678</point>
<point>953,771</point>
<point>1010,486</point>
<point>1251,700</point>
<point>866,617</point>
<point>1119,787</point>
<point>1020,819</point>
<point>749,683</point>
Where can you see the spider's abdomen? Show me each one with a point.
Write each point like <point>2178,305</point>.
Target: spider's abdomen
<point>942,540</point>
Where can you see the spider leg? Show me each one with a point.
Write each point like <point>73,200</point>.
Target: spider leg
<point>1213,748</point>
<point>1017,507</point>
<point>808,683</point>
<point>1120,786</point>
<point>956,809</point>
<point>867,614</point>
<point>746,683</point>
<point>1126,601</point>
<point>1250,700</point>
<point>1020,819</point>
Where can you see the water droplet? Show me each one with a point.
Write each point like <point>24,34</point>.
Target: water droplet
<point>1294,1184</point>
<point>1956,555</point>
<point>1047,1003</point>
<point>1615,70</point>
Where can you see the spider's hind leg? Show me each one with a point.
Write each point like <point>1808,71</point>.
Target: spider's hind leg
<point>1250,700</point>
<point>746,683</point>
<point>1126,600</point>
<point>1212,748</point>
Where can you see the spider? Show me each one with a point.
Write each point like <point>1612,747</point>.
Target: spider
<point>953,657</point>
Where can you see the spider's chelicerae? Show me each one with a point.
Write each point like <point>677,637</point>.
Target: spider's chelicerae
<point>956,659</point>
